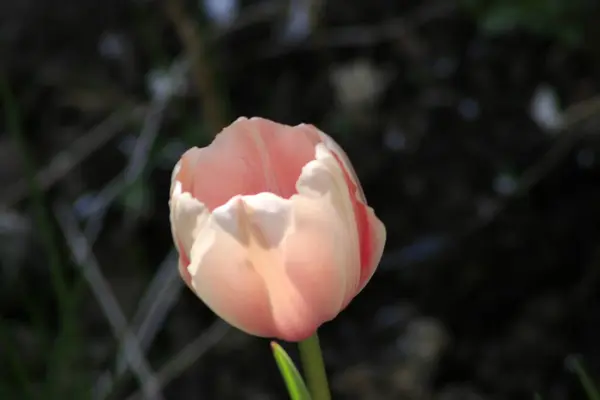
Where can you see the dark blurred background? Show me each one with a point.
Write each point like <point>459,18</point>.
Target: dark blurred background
<point>473,126</point>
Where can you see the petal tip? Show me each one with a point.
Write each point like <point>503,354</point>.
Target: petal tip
<point>176,189</point>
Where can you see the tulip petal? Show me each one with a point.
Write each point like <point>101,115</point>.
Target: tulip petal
<point>371,231</point>
<point>248,157</point>
<point>293,261</point>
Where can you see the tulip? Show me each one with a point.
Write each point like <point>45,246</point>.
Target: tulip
<point>272,227</point>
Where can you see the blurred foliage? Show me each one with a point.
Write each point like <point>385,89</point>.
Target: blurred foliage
<point>589,386</point>
<point>556,19</point>
<point>61,340</point>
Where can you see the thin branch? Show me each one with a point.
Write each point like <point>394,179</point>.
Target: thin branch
<point>395,29</point>
<point>213,108</point>
<point>67,160</point>
<point>82,254</point>
<point>135,167</point>
<point>159,298</point>
<point>315,11</point>
<point>157,301</point>
<point>572,132</point>
<point>189,355</point>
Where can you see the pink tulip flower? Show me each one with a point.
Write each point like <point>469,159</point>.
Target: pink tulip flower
<point>272,227</point>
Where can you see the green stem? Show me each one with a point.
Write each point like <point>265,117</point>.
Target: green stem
<point>314,368</point>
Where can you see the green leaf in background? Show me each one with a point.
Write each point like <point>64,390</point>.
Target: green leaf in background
<point>562,20</point>
<point>137,199</point>
<point>574,363</point>
<point>293,380</point>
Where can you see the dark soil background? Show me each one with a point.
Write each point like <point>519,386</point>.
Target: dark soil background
<point>472,125</point>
